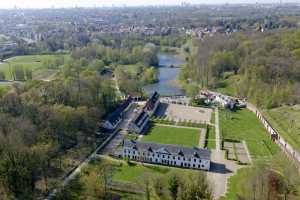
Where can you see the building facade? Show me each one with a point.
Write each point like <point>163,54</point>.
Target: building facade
<point>170,155</point>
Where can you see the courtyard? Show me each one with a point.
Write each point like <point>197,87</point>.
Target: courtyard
<point>177,113</point>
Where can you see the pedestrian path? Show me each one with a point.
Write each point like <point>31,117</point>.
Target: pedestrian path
<point>217,127</point>
<point>202,138</point>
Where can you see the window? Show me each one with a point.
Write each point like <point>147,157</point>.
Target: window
<point>163,156</point>
<point>178,158</point>
<point>168,157</point>
<point>174,157</point>
<point>183,158</point>
<point>194,160</point>
<point>193,165</point>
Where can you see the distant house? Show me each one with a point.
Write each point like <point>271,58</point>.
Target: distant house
<point>164,154</point>
<point>115,118</point>
<point>139,122</point>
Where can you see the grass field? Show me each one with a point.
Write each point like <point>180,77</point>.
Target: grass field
<point>243,125</point>
<point>169,135</point>
<point>286,120</point>
<point>33,62</point>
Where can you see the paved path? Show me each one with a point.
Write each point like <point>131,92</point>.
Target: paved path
<point>217,127</point>
<point>175,126</point>
<point>202,138</point>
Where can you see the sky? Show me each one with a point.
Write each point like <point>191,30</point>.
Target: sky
<point>99,3</point>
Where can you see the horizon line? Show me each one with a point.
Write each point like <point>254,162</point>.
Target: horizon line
<point>183,4</point>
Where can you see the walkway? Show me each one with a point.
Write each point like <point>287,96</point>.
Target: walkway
<point>175,126</point>
<point>202,138</point>
<point>217,126</point>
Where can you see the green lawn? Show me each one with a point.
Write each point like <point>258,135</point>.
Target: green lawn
<point>235,182</point>
<point>33,62</point>
<point>243,125</point>
<point>134,172</point>
<point>286,120</point>
<point>169,135</point>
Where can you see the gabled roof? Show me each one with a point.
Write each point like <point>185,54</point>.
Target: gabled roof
<point>169,149</point>
<point>113,117</point>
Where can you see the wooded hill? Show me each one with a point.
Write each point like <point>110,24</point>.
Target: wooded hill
<point>264,67</point>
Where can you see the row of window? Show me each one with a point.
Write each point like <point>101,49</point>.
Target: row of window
<point>166,162</point>
<point>158,155</point>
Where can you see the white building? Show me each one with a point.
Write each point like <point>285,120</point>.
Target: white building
<point>170,155</point>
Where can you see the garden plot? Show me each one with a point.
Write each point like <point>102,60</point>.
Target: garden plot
<point>237,151</point>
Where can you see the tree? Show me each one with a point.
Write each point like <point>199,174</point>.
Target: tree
<point>173,185</point>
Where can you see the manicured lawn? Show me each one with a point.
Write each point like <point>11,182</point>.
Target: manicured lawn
<point>243,125</point>
<point>286,120</point>
<point>135,172</point>
<point>170,135</point>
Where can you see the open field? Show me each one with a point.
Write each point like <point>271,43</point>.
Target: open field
<point>172,135</point>
<point>243,125</point>
<point>286,120</point>
<point>33,62</point>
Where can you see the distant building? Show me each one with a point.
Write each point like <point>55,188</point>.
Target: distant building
<point>164,154</point>
<point>142,118</point>
<point>115,118</point>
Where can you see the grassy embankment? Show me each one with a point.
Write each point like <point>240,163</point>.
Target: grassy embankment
<point>286,120</point>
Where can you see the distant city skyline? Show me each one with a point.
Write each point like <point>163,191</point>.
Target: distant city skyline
<point>100,3</point>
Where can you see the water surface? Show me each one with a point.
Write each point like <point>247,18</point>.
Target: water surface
<point>166,75</point>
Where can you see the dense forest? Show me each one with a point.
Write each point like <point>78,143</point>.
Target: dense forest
<point>42,122</point>
<point>264,67</point>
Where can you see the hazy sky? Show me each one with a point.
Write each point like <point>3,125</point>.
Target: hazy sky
<point>92,3</point>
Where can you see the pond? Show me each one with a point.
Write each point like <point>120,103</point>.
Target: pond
<point>166,76</point>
